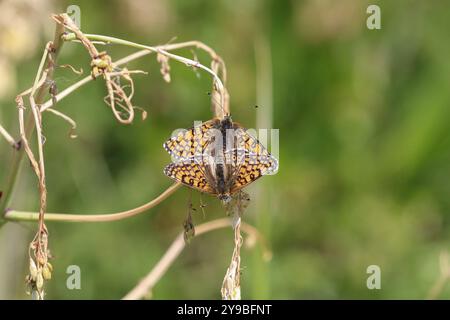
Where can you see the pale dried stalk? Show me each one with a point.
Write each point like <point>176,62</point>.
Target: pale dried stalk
<point>29,126</point>
<point>102,65</point>
<point>67,22</point>
<point>231,286</point>
<point>200,45</point>
<point>217,86</point>
<point>145,286</point>
<point>116,95</point>
<point>67,119</point>
<point>14,215</point>
<point>8,137</point>
<point>219,67</point>
<point>444,276</point>
<point>39,245</point>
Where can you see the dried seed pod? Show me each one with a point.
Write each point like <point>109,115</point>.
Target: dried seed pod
<point>41,260</point>
<point>39,281</point>
<point>46,273</point>
<point>33,270</point>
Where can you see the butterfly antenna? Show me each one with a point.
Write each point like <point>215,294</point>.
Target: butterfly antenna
<point>171,40</point>
<point>216,102</point>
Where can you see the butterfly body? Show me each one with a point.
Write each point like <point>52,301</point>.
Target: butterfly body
<point>218,157</point>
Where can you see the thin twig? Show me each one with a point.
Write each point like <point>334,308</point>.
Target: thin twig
<point>231,285</point>
<point>29,126</point>
<point>159,50</point>
<point>444,276</point>
<point>15,215</point>
<point>134,56</point>
<point>146,285</point>
<point>66,118</point>
<point>8,137</point>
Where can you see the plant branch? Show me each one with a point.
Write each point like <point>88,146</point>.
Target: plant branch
<point>9,138</point>
<point>15,215</point>
<point>29,127</point>
<point>144,287</point>
<point>162,50</point>
<point>231,285</point>
<point>134,56</point>
<point>444,276</point>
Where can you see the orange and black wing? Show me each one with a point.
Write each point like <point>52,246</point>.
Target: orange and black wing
<point>191,142</point>
<point>245,140</point>
<point>190,173</point>
<point>250,167</point>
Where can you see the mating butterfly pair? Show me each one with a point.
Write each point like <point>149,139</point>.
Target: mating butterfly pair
<point>218,157</point>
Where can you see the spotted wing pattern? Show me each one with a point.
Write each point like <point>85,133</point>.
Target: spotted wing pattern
<point>244,140</point>
<point>248,167</point>
<point>191,173</point>
<point>194,154</point>
<point>190,142</point>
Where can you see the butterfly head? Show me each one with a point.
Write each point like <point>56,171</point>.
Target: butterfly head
<point>225,198</point>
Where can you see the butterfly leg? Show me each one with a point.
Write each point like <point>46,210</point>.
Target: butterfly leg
<point>188,224</point>
<point>202,205</point>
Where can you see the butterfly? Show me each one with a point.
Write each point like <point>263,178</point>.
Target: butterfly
<point>218,157</point>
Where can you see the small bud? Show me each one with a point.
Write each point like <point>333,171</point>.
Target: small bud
<point>50,267</point>
<point>39,281</point>
<point>46,273</point>
<point>41,260</point>
<point>33,270</point>
<point>96,62</point>
<point>28,289</point>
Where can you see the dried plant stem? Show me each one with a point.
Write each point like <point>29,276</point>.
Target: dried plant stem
<point>231,286</point>
<point>41,91</point>
<point>162,51</point>
<point>144,287</point>
<point>49,103</point>
<point>200,45</point>
<point>40,172</point>
<point>38,249</point>
<point>444,276</point>
<point>8,137</point>
<point>134,56</point>
<point>14,215</point>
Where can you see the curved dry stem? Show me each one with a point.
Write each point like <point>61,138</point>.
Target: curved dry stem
<point>444,276</point>
<point>15,215</point>
<point>8,138</point>
<point>231,285</point>
<point>66,118</point>
<point>202,46</point>
<point>134,56</point>
<point>145,286</point>
<point>159,50</point>
<point>29,126</point>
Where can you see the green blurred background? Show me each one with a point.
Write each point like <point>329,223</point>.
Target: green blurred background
<point>364,147</point>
